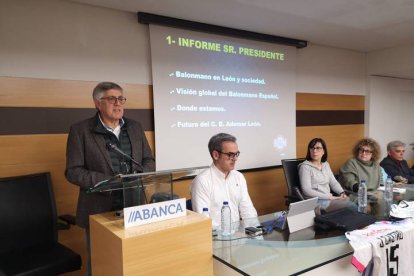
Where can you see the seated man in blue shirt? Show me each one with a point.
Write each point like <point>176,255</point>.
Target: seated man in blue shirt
<point>395,165</point>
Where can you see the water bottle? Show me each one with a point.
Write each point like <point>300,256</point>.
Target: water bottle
<point>205,212</point>
<point>362,196</point>
<point>388,196</point>
<point>225,219</point>
<point>388,189</point>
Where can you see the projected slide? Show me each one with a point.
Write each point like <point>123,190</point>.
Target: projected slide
<point>204,84</point>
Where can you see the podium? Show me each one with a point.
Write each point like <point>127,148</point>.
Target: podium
<point>179,246</point>
<point>143,188</point>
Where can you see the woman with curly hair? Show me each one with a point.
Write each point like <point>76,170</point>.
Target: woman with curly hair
<point>363,166</point>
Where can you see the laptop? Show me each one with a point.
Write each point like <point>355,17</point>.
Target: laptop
<point>301,214</point>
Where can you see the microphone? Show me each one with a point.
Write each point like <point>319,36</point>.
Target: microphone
<point>112,147</point>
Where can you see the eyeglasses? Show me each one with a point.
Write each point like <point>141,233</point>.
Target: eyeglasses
<point>316,148</point>
<point>230,155</point>
<point>365,151</point>
<point>112,99</point>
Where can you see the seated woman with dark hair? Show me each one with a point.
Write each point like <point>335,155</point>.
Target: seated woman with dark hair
<point>363,166</point>
<point>316,177</point>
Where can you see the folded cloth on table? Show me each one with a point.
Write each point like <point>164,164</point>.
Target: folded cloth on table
<point>404,209</point>
<point>394,189</point>
<point>280,222</point>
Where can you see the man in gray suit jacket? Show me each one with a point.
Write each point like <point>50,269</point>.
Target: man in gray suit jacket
<point>89,160</point>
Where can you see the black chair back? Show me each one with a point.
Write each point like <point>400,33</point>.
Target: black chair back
<point>28,229</point>
<point>290,169</point>
<point>27,213</point>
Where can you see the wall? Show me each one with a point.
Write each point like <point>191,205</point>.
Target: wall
<point>390,102</point>
<point>340,118</point>
<point>323,69</point>
<point>392,62</point>
<point>69,41</point>
<point>53,52</point>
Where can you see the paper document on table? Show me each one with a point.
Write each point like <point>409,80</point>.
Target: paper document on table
<point>394,189</point>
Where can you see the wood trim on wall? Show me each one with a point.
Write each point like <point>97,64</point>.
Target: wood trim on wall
<point>338,119</point>
<point>329,117</point>
<point>316,101</point>
<point>58,120</point>
<point>339,140</point>
<point>28,92</point>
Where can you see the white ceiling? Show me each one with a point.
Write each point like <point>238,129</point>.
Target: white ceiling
<point>361,25</point>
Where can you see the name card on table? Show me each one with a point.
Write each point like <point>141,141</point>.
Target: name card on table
<point>149,213</point>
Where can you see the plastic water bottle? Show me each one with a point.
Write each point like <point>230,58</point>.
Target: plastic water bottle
<point>388,189</point>
<point>225,219</point>
<point>362,196</point>
<point>388,196</point>
<point>205,212</point>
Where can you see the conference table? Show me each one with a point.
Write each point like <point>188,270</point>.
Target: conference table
<point>305,252</point>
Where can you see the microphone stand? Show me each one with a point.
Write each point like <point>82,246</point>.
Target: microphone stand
<point>112,147</point>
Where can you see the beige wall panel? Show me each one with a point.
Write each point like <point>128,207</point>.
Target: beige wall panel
<point>267,189</point>
<point>66,194</point>
<point>339,139</point>
<point>308,101</point>
<point>182,188</point>
<point>26,92</point>
<point>150,135</point>
<point>28,154</point>
<point>27,149</point>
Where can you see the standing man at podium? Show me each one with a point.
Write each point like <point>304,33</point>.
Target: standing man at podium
<point>221,182</point>
<point>90,154</point>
